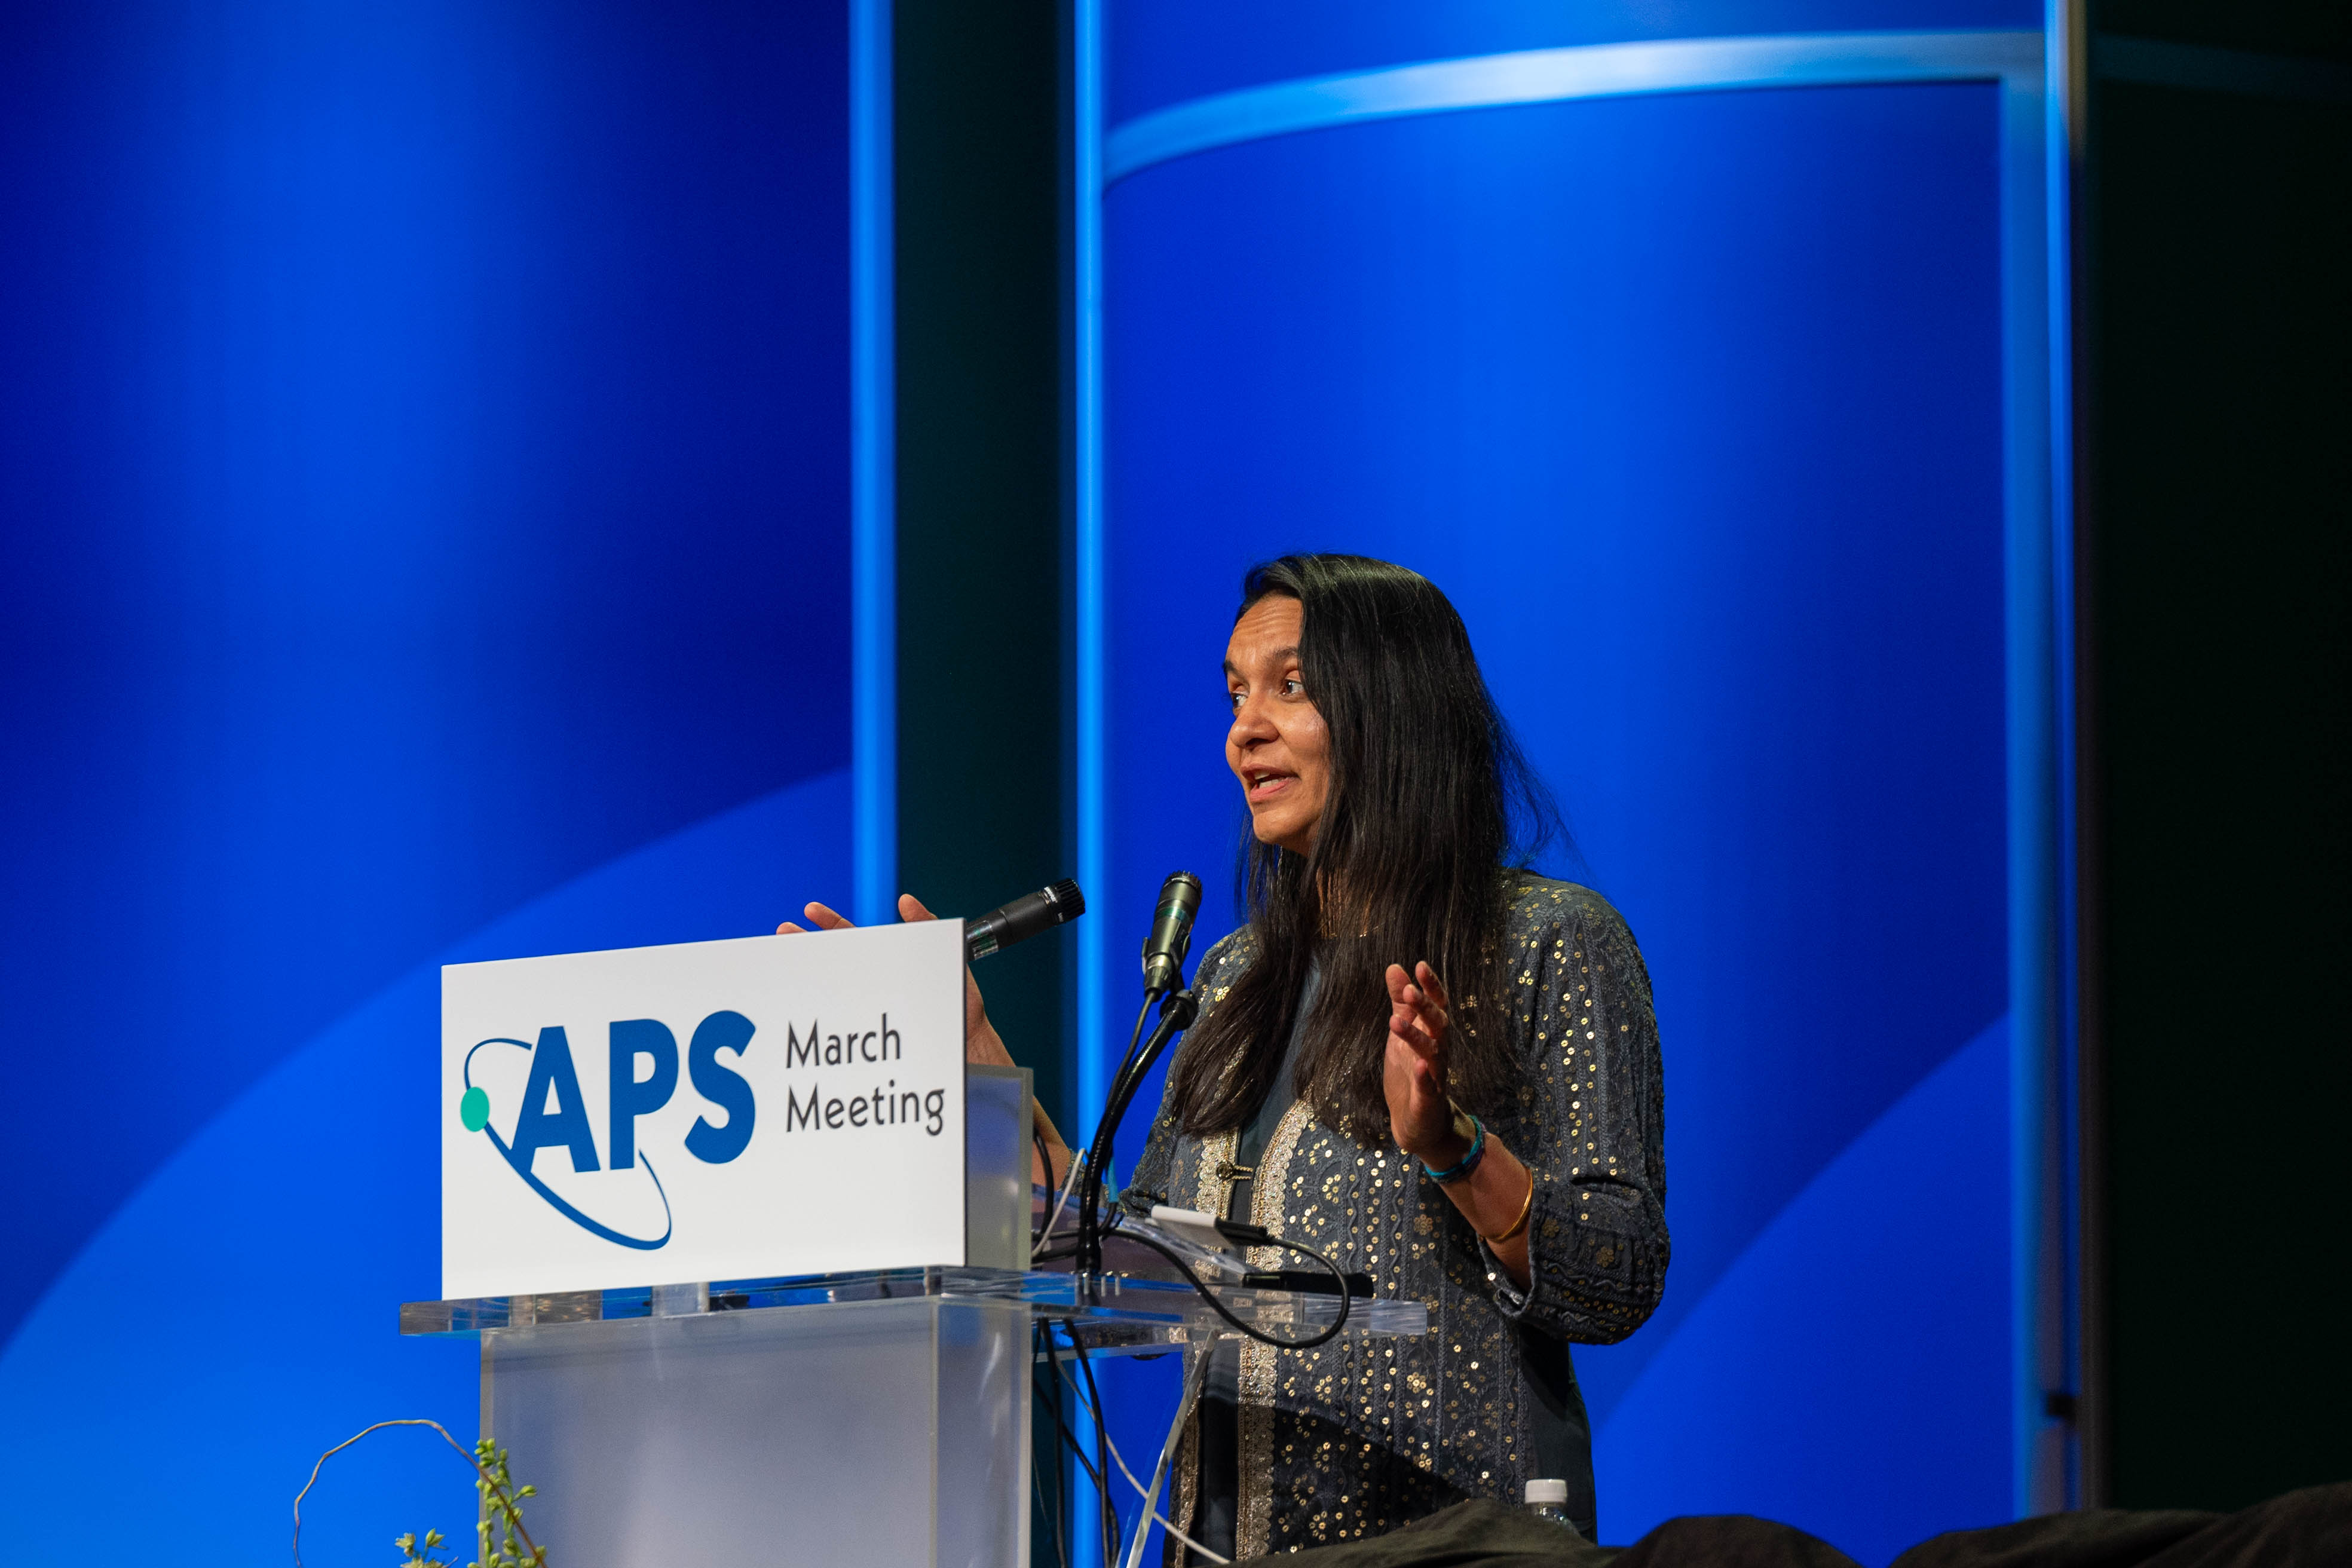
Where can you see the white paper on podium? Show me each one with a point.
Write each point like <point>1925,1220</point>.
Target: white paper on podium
<point>787,1105</point>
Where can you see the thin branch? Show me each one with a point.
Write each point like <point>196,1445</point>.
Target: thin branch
<point>513,1514</point>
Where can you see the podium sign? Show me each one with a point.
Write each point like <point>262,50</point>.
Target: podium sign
<point>711,1111</point>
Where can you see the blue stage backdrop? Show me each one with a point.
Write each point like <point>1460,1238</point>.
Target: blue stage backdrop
<point>1695,404</point>
<point>425,534</point>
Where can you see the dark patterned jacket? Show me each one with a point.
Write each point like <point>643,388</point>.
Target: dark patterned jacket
<point>1359,1435</point>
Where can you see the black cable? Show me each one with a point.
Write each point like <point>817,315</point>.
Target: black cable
<point>1127,1058</point>
<point>1052,1517</point>
<point>1177,1011</point>
<point>1102,1443</point>
<point>1053,1398</point>
<point>1136,1034</point>
<point>1210,1296</point>
<point>1347,1297</point>
<point>1090,1176</point>
<point>1093,1473</point>
<point>1055,1357</point>
<point>1134,1039</point>
<point>1069,1439</point>
<point>1113,1530</point>
<point>1058,1509</point>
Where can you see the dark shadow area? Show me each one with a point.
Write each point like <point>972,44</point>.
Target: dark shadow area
<point>2216,296</point>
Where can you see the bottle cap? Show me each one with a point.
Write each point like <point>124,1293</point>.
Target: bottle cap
<point>1547,1492</point>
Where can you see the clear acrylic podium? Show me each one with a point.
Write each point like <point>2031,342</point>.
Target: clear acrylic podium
<point>879,1419</point>
<point>840,1420</point>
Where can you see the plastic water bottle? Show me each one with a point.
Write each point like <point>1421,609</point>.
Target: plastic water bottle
<point>1549,1499</point>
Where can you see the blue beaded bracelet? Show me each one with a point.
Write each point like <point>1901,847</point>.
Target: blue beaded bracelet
<point>1469,1161</point>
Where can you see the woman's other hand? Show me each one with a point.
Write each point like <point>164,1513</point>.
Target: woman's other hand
<point>820,916</point>
<point>981,1041</point>
<point>1498,1195</point>
<point>1421,1115</point>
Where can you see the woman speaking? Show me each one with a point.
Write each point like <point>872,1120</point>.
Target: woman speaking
<point>1417,1058</point>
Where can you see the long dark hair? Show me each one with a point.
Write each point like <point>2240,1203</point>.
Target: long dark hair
<point>1432,807</point>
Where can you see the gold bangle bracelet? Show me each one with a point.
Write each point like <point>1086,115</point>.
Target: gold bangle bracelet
<point>1520,1224</point>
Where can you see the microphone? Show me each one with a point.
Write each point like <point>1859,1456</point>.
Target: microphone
<point>1164,979</point>
<point>1023,918</point>
<point>1172,932</point>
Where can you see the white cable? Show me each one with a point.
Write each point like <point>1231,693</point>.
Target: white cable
<point>1160,1471</point>
<point>1069,1185</point>
<point>1152,1496</point>
<point>1075,1392</point>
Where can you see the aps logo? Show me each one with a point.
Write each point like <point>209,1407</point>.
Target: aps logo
<point>554,1115</point>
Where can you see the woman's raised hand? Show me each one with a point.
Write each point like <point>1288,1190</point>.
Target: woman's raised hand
<point>1421,1115</point>
<point>824,919</point>
<point>1497,1194</point>
<point>981,1041</point>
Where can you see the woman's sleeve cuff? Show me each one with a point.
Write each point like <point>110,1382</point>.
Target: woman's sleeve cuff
<point>1510,1300</point>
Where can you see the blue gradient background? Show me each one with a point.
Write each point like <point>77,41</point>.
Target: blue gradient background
<point>423,534</point>
<point>1693,403</point>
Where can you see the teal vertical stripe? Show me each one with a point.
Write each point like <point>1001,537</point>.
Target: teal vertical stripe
<point>1088,589</point>
<point>2026,592</point>
<point>873,620</point>
<point>2065,27</point>
<point>2046,1322</point>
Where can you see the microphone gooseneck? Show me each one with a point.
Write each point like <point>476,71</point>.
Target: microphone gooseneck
<point>1163,970</point>
<point>1023,918</point>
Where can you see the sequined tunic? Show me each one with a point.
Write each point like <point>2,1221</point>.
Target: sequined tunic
<point>1359,1435</point>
